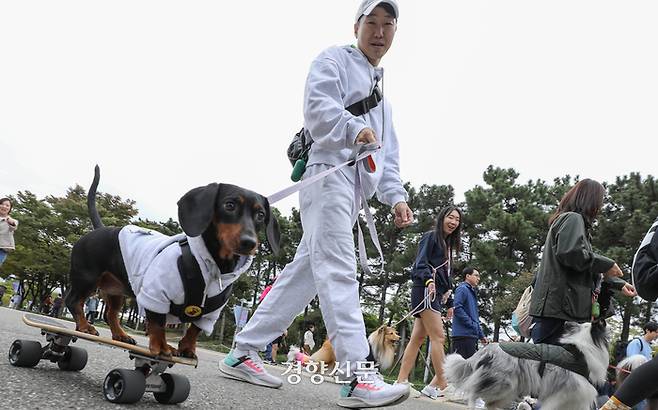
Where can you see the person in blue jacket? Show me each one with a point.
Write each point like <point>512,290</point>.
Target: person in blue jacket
<point>466,329</point>
<point>431,291</point>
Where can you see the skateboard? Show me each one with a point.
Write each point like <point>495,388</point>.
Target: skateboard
<point>120,385</point>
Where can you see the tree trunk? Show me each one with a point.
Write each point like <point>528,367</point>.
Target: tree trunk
<point>496,330</point>
<point>360,283</point>
<point>382,298</point>
<point>222,325</point>
<point>626,320</point>
<point>403,335</point>
<point>255,300</point>
<point>302,327</point>
<point>647,311</point>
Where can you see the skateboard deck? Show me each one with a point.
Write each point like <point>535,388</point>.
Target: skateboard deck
<point>60,327</point>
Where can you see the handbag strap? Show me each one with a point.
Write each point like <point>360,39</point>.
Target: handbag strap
<point>363,106</point>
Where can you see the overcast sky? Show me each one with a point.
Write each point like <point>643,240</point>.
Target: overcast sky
<point>166,96</point>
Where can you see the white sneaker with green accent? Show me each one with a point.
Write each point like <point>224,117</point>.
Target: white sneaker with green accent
<point>370,390</point>
<point>248,367</point>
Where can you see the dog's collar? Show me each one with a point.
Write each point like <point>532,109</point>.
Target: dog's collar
<point>209,268</point>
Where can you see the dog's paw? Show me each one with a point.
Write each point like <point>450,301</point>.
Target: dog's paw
<point>90,330</point>
<point>186,349</point>
<point>190,354</point>
<point>168,351</point>
<point>125,339</point>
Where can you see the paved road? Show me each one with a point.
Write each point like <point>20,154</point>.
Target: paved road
<point>46,387</point>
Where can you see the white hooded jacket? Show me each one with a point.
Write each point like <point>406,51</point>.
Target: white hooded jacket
<point>339,77</point>
<point>151,262</point>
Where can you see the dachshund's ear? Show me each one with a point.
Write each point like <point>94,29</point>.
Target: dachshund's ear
<point>196,209</point>
<point>272,228</point>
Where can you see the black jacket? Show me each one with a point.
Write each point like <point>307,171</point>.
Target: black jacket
<point>431,254</point>
<point>568,272</point>
<point>645,265</point>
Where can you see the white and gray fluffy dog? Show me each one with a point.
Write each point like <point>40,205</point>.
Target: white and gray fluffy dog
<point>499,378</point>
<point>626,366</point>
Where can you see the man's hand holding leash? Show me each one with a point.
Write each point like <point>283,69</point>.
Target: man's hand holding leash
<point>366,136</point>
<point>403,215</point>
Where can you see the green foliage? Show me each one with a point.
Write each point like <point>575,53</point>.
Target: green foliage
<point>48,229</point>
<point>170,227</point>
<point>506,226</point>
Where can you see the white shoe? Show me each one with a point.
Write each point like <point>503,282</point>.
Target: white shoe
<point>480,404</point>
<point>249,368</point>
<point>370,390</point>
<point>433,392</point>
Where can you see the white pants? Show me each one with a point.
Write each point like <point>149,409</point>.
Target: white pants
<point>325,264</point>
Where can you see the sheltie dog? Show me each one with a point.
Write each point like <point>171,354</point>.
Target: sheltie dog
<point>499,378</point>
<point>382,343</point>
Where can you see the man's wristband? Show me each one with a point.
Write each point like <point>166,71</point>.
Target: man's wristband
<point>427,283</point>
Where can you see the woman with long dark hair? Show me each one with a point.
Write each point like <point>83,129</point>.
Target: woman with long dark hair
<point>431,290</point>
<point>571,274</point>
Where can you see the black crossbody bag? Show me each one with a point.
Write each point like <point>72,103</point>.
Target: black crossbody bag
<point>301,145</point>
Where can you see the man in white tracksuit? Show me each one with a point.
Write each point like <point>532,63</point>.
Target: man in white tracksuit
<point>325,262</point>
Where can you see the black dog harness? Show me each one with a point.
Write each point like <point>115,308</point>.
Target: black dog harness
<point>194,285</point>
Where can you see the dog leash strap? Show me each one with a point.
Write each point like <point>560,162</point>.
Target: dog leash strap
<point>359,201</point>
<point>371,225</point>
<point>363,258</point>
<point>413,311</point>
<point>362,152</point>
<point>621,369</point>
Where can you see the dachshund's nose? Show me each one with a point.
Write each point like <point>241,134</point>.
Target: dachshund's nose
<point>247,243</point>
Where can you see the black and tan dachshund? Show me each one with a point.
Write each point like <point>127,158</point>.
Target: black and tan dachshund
<point>228,219</point>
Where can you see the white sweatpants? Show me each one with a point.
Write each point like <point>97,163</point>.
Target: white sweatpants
<point>325,264</point>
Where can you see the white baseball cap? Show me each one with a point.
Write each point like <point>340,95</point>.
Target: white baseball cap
<point>367,6</point>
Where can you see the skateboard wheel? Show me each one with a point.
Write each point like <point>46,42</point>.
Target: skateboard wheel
<point>178,388</point>
<point>74,359</point>
<point>124,386</point>
<point>25,353</point>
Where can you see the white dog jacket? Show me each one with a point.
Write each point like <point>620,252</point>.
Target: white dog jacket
<point>151,262</point>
